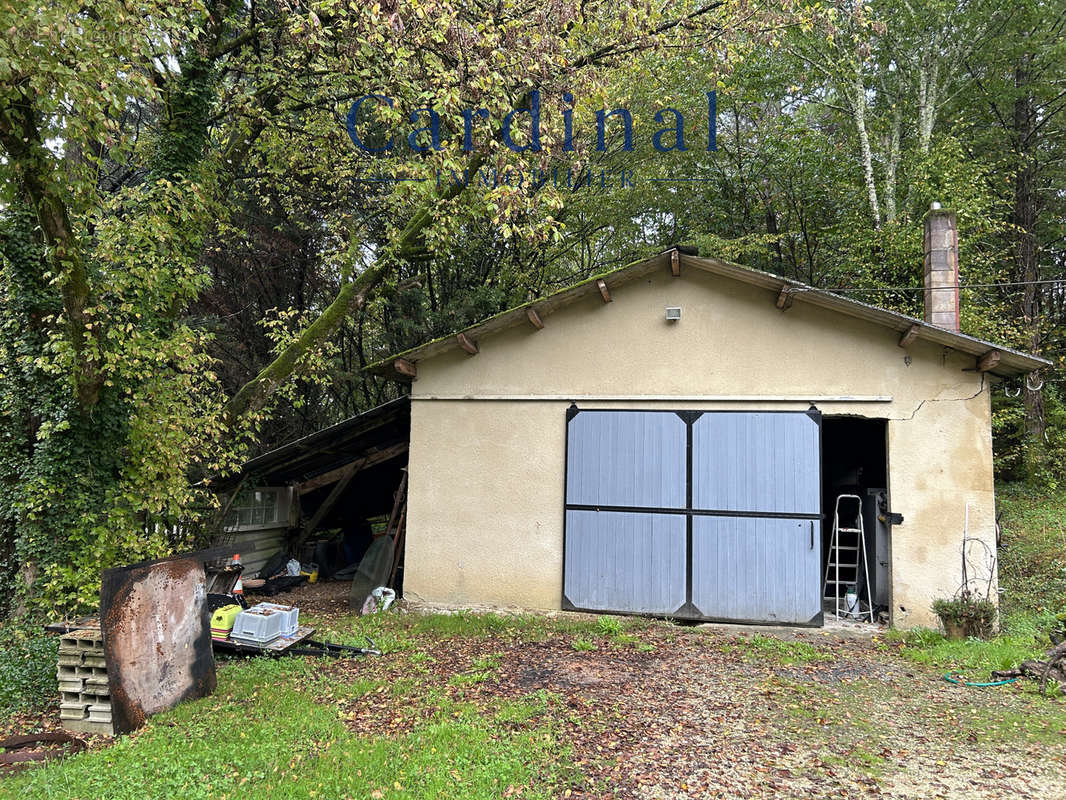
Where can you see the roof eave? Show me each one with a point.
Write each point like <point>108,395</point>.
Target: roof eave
<point>1012,363</point>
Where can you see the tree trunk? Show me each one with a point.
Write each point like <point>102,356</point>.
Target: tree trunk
<point>892,164</point>
<point>859,114</point>
<point>928,79</point>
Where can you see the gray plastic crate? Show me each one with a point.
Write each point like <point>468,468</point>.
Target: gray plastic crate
<point>258,625</point>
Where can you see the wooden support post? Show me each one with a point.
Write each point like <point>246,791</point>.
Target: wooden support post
<point>675,263</point>
<point>605,293</point>
<point>784,298</point>
<point>405,367</point>
<point>909,335</point>
<point>467,344</point>
<point>534,318</point>
<point>988,361</point>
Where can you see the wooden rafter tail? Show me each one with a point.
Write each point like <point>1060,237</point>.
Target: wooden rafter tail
<point>467,344</point>
<point>605,293</point>
<point>988,361</point>
<point>405,367</point>
<point>784,298</point>
<point>909,335</point>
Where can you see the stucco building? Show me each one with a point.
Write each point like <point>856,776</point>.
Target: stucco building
<point>670,439</point>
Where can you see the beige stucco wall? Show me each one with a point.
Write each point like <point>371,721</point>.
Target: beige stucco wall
<point>485,509</point>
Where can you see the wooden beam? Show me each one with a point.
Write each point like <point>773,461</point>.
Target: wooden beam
<point>784,298</point>
<point>675,263</point>
<point>369,460</point>
<point>988,361</point>
<point>605,293</point>
<point>327,504</point>
<point>467,344</point>
<point>909,335</point>
<point>534,318</point>
<point>405,367</point>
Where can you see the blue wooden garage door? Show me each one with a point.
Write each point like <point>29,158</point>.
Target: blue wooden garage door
<point>703,515</point>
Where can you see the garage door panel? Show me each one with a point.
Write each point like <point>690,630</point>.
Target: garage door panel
<point>750,501</point>
<point>760,462</point>
<point>623,561</point>
<point>630,459</point>
<point>756,569</point>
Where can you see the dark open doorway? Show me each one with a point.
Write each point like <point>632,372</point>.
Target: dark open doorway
<point>855,462</point>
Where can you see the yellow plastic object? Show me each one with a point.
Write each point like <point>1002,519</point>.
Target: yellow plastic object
<point>311,571</point>
<point>222,621</point>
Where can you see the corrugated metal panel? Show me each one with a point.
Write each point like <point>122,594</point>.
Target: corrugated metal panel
<point>619,561</point>
<point>756,461</point>
<point>756,569</point>
<point>622,458</point>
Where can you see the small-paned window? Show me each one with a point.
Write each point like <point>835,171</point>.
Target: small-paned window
<point>253,508</point>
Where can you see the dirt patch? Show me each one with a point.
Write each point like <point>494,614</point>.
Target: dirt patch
<point>698,716</point>
<point>554,666</point>
<point>325,600</point>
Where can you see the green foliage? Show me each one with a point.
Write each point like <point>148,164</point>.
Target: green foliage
<point>1032,556</point>
<point>111,485</point>
<point>583,645</point>
<point>973,616</point>
<point>1041,465</point>
<point>609,626</point>
<point>27,668</point>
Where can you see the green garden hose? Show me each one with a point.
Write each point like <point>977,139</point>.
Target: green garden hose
<point>951,679</point>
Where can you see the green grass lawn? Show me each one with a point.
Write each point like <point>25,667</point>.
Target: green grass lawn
<point>278,726</point>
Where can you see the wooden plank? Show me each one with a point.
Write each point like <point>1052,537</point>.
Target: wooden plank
<point>605,293</point>
<point>675,263</point>
<point>909,335</point>
<point>405,367</point>
<point>534,318</point>
<point>988,361</point>
<point>279,645</point>
<point>369,460</point>
<point>397,545</point>
<point>467,344</point>
<point>784,298</point>
<point>399,498</point>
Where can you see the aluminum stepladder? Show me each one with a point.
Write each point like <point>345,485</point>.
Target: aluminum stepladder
<point>847,550</point>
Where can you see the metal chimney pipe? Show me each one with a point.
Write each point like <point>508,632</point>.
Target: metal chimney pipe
<point>941,247</point>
